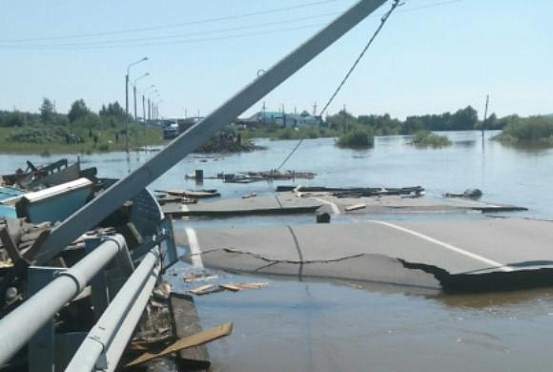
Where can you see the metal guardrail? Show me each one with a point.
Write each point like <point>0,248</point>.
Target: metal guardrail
<point>107,340</point>
<point>17,328</point>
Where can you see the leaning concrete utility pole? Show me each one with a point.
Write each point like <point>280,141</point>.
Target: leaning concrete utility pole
<point>104,204</point>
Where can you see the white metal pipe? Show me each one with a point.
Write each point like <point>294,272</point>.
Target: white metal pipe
<point>121,339</point>
<point>17,327</point>
<point>126,188</point>
<point>114,319</point>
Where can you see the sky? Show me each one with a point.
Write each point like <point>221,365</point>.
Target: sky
<point>431,57</point>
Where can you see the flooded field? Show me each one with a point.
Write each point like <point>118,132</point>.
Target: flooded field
<point>331,326</point>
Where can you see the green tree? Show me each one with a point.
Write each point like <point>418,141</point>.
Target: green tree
<point>78,111</point>
<point>13,119</point>
<point>47,111</point>
<point>113,110</point>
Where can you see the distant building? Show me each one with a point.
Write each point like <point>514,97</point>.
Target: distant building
<point>268,117</point>
<point>283,119</point>
<point>302,120</point>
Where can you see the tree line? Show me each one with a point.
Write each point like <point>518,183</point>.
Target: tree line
<point>462,119</point>
<point>112,115</point>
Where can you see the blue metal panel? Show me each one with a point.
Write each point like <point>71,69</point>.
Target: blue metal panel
<point>58,208</point>
<point>7,192</point>
<point>7,212</point>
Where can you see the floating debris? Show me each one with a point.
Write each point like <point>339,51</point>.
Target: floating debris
<point>195,194</point>
<point>271,175</point>
<point>352,192</point>
<point>468,194</point>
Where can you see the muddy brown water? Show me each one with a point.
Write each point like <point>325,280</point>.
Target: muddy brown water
<point>295,325</point>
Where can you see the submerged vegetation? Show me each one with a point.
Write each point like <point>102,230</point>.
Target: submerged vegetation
<point>534,130</point>
<point>429,139</point>
<point>359,137</point>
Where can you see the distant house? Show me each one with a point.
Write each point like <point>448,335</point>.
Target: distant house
<point>285,120</point>
<point>301,120</point>
<point>269,117</point>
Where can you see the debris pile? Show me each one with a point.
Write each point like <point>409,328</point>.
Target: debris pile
<point>172,329</point>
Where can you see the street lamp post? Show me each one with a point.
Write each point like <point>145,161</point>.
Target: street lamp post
<point>154,96</point>
<point>134,92</point>
<point>135,113</point>
<point>144,103</point>
<point>157,108</point>
<point>127,101</point>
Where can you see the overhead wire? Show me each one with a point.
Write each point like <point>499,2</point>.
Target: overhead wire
<point>170,25</point>
<point>20,44</point>
<point>145,40</point>
<point>383,21</point>
<point>176,42</point>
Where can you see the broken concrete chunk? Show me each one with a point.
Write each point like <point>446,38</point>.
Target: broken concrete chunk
<point>323,217</point>
<point>355,207</point>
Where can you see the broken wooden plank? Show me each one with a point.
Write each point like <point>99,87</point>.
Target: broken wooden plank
<point>230,287</point>
<point>252,285</point>
<point>197,339</point>
<point>29,254</point>
<point>9,246</point>
<point>205,289</point>
<point>355,207</point>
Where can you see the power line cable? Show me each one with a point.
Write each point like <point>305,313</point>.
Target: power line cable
<point>167,26</point>
<point>140,42</point>
<point>165,43</point>
<point>383,20</point>
<point>176,36</point>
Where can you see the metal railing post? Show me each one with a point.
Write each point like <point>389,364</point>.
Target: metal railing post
<point>114,329</point>
<point>41,352</point>
<point>17,327</point>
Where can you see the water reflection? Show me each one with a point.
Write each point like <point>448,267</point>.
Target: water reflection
<point>525,299</point>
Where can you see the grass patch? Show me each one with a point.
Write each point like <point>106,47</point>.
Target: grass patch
<point>429,139</point>
<point>48,139</point>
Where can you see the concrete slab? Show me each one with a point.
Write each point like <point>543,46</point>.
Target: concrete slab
<point>375,250</point>
<point>289,203</point>
<point>259,205</point>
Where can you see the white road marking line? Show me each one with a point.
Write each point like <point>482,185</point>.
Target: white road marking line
<point>195,251</point>
<point>334,207</point>
<point>474,256</point>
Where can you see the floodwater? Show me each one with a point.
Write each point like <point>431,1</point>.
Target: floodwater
<point>294,325</point>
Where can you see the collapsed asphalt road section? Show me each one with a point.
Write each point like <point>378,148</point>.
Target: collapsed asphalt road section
<point>452,256</point>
